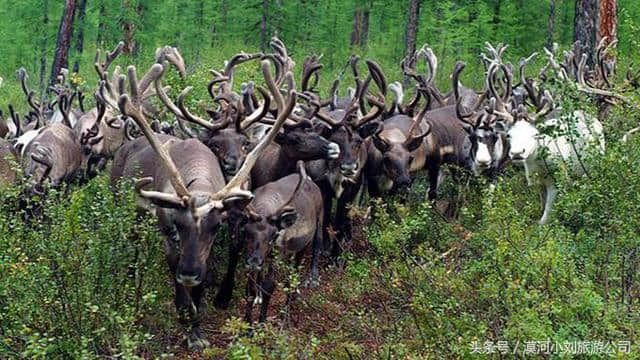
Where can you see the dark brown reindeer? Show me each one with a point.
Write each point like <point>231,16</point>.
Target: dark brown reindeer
<point>300,139</point>
<point>190,197</point>
<point>341,178</point>
<point>396,151</point>
<point>226,135</point>
<point>284,216</point>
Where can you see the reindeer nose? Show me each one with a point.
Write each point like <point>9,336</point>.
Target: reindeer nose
<point>516,155</point>
<point>333,150</point>
<point>230,165</point>
<point>253,263</point>
<point>188,278</point>
<point>349,169</point>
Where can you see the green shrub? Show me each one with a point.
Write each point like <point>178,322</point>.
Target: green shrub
<point>85,278</point>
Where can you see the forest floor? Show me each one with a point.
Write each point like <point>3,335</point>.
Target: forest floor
<point>343,309</point>
<point>328,312</point>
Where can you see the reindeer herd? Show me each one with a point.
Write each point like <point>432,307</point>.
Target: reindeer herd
<point>269,162</point>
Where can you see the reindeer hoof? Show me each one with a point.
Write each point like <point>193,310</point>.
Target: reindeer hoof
<point>311,282</point>
<point>196,341</point>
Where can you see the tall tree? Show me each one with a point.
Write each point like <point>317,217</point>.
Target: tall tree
<point>364,34</point>
<point>360,26</point>
<point>584,27</point>
<point>608,25</point>
<point>128,27</point>
<point>411,33</point>
<point>357,26</point>
<point>550,23</point>
<point>82,7</point>
<point>594,20</point>
<point>43,45</point>
<point>264,22</point>
<point>102,25</point>
<point>65,32</point>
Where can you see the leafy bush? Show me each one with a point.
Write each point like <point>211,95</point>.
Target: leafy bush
<point>82,278</point>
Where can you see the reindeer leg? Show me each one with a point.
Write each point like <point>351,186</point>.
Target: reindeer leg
<point>225,293</point>
<point>268,286</point>
<point>196,340</point>
<point>326,215</point>
<point>250,296</point>
<point>552,191</point>
<point>186,311</point>
<point>291,295</point>
<point>434,174</point>
<point>314,278</point>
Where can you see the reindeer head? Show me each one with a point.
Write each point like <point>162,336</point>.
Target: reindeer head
<point>397,147</point>
<point>262,228</point>
<point>523,135</point>
<point>192,210</point>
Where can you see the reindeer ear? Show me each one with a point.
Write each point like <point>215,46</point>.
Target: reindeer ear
<point>369,129</point>
<point>280,139</point>
<point>467,128</point>
<point>381,144</point>
<point>500,127</point>
<point>286,218</point>
<point>321,128</point>
<point>237,203</point>
<point>415,142</point>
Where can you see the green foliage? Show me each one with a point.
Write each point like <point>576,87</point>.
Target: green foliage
<point>82,278</point>
<point>88,279</point>
<point>208,32</point>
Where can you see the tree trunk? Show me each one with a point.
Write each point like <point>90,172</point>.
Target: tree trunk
<point>364,34</point>
<point>585,26</point>
<point>263,26</point>
<point>608,27</point>
<point>82,7</point>
<point>550,23</point>
<point>594,20</point>
<point>496,12</point>
<point>65,32</point>
<point>357,26</point>
<point>43,46</point>
<point>411,33</point>
<point>128,29</point>
<point>102,25</point>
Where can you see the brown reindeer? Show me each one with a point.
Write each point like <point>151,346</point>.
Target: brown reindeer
<point>286,216</point>
<point>190,196</point>
<point>341,179</point>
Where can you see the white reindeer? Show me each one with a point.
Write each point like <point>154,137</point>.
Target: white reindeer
<point>538,153</point>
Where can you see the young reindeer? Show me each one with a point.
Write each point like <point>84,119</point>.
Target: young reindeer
<point>190,197</point>
<point>286,215</point>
